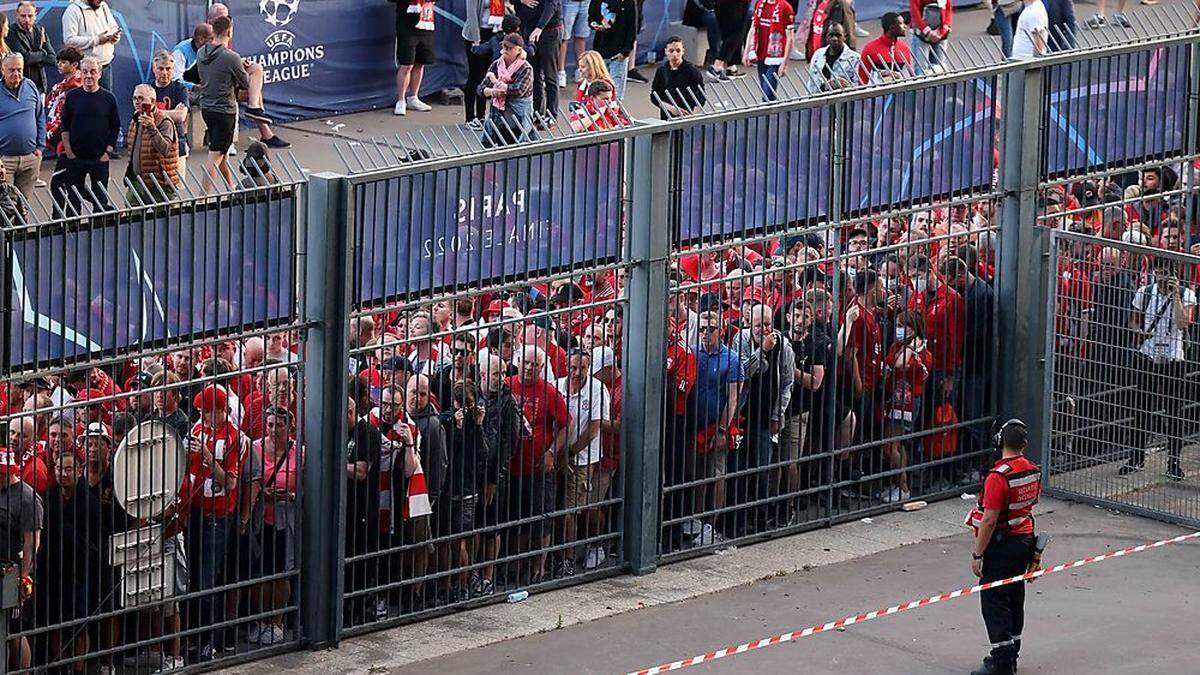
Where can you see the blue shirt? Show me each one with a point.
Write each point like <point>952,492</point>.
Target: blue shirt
<point>22,120</point>
<point>715,371</point>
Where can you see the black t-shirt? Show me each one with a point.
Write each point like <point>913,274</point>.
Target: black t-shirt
<point>682,87</point>
<point>362,496</point>
<point>93,120</point>
<point>20,512</point>
<point>812,350</point>
<point>71,543</point>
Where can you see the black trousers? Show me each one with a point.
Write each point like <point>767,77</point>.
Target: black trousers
<point>1165,396</point>
<point>1004,607</point>
<point>545,73</point>
<point>75,180</point>
<point>476,105</point>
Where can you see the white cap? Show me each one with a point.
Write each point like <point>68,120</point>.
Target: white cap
<point>602,357</point>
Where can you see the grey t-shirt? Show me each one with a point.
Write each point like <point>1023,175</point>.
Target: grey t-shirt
<point>20,512</point>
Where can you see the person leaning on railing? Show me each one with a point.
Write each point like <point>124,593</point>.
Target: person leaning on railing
<point>153,172</point>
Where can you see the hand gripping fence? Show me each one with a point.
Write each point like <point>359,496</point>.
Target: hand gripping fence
<point>733,650</point>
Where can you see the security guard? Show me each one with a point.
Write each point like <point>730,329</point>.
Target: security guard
<point>1005,543</point>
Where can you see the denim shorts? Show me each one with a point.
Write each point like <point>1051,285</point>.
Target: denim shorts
<point>575,19</point>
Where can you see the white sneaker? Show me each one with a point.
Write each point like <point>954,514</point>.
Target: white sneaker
<point>107,669</point>
<point>381,608</point>
<point>595,557</point>
<point>417,104</point>
<point>706,536</point>
<point>562,78</point>
<point>170,663</point>
<point>400,110</point>
<point>272,635</point>
<point>233,151</point>
<point>254,634</point>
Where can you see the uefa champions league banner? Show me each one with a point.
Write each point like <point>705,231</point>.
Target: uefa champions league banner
<point>753,175</point>
<point>919,145</point>
<point>477,223</point>
<point>106,286</point>
<point>1092,106</point>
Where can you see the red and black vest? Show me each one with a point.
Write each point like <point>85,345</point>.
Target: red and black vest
<point>1024,480</point>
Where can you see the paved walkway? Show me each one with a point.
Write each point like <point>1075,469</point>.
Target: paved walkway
<point>1112,617</point>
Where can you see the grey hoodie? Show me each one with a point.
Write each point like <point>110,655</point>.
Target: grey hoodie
<point>221,75</point>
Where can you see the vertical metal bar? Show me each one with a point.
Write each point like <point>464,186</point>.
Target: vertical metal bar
<point>5,308</point>
<point>327,247</point>
<point>1022,248</point>
<point>840,127</point>
<point>1191,137</point>
<point>648,247</point>
<point>1046,420</point>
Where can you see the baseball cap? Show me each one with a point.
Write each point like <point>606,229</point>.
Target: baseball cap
<point>140,380</point>
<point>97,429</point>
<point>602,357</point>
<point>711,301</point>
<point>495,308</point>
<point>756,294</point>
<point>211,397</point>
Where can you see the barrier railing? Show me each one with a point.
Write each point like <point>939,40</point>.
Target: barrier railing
<point>460,378</point>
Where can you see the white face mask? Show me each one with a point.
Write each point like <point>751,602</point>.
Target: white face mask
<point>901,333</point>
<point>920,284</point>
<point>851,272</point>
<point>889,285</point>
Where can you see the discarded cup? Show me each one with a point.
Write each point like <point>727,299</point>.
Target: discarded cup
<point>517,596</point>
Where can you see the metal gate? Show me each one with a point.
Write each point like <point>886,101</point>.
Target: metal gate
<point>1124,415</point>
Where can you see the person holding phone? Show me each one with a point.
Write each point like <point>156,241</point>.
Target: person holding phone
<point>90,26</point>
<point>153,172</point>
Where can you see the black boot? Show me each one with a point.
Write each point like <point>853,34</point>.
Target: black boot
<point>993,667</point>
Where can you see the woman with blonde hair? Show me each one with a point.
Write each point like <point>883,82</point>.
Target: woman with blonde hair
<point>4,50</point>
<point>593,69</point>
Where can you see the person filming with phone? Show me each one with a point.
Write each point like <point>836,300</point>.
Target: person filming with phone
<point>1163,311</point>
<point>153,172</point>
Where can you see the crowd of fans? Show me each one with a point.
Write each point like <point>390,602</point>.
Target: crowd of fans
<point>61,103</point>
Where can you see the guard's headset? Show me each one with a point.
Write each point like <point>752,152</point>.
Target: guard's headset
<point>998,434</point>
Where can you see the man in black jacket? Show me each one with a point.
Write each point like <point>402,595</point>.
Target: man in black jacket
<point>541,23</point>
<point>29,39</point>
<point>502,429</point>
<point>616,26</point>
<point>678,87</point>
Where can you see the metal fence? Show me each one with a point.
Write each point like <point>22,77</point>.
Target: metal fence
<point>457,379</point>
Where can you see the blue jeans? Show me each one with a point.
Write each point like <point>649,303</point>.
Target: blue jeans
<point>714,36</point>
<point>926,55</point>
<point>619,69</point>
<point>515,125</point>
<point>768,81</point>
<point>1007,26</point>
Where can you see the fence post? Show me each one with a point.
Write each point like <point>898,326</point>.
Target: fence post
<point>648,178</point>
<point>1022,293</point>
<point>328,276</point>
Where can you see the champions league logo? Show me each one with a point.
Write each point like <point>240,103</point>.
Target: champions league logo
<point>279,13</point>
<point>285,60</point>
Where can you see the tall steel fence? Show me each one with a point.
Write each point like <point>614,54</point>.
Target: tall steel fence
<point>275,418</point>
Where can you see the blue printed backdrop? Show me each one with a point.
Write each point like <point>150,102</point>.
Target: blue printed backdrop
<point>480,222</point>
<point>1092,106</point>
<point>916,145</point>
<point>108,286</point>
<point>753,174</point>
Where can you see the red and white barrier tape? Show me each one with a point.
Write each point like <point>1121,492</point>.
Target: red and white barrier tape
<point>896,609</point>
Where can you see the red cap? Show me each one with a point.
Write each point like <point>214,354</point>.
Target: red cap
<point>756,293</point>
<point>373,376</point>
<point>92,395</point>
<point>495,308</point>
<point>211,398</point>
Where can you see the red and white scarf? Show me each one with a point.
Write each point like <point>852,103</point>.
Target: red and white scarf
<point>495,14</point>
<point>424,11</point>
<point>416,502</point>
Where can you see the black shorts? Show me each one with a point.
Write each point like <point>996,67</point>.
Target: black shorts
<point>493,514</point>
<point>413,46</point>
<point>220,130</point>
<point>273,557</point>
<point>532,497</point>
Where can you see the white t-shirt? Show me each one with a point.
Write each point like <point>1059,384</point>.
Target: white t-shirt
<point>587,406</point>
<point>1166,340</point>
<point>1033,19</point>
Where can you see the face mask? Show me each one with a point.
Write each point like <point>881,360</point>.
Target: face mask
<point>901,333</point>
<point>852,272</point>
<point>920,284</point>
<point>889,285</point>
